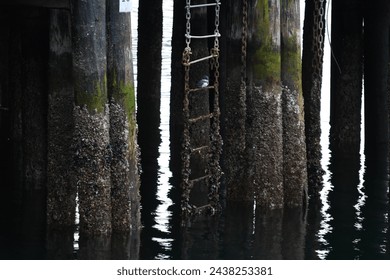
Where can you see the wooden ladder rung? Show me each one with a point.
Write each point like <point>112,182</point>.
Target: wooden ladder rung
<point>198,149</point>
<point>203,5</point>
<point>201,209</point>
<point>200,59</point>
<point>196,180</point>
<point>201,89</point>
<point>201,118</point>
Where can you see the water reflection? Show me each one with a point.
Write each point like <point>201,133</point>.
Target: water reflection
<point>342,199</point>
<point>374,234</point>
<point>244,232</point>
<point>358,207</point>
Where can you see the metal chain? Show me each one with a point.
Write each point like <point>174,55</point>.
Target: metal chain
<point>216,139</point>
<point>188,23</point>
<point>186,145</point>
<point>318,39</point>
<point>215,136</point>
<point>242,96</point>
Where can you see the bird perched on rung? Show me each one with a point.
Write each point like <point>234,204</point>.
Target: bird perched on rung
<point>204,82</point>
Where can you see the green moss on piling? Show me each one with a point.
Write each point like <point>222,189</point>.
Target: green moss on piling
<point>95,100</point>
<point>267,61</point>
<point>292,61</point>
<point>123,94</point>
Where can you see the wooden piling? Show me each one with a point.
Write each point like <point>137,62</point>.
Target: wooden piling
<point>123,142</point>
<point>312,58</point>
<point>34,50</point>
<point>347,76</point>
<point>61,189</point>
<point>294,145</point>
<point>376,57</point>
<point>264,112</point>
<point>91,138</point>
<point>233,102</point>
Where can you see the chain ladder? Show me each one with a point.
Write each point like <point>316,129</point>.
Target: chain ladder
<point>215,137</point>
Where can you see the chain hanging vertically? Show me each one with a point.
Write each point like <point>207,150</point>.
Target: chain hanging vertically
<point>318,39</point>
<point>186,145</point>
<point>242,96</point>
<point>215,149</point>
<point>216,139</point>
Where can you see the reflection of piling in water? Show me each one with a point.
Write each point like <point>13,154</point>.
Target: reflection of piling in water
<point>342,201</point>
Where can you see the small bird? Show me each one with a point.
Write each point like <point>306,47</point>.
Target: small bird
<point>204,82</point>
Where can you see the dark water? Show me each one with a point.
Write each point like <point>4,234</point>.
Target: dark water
<point>349,221</point>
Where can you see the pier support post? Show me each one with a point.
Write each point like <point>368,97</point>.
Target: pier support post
<point>264,147</point>
<point>294,145</point>
<point>376,57</point>
<point>347,75</point>
<point>91,137</point>
<point>233,102</point>
<point>61,189</point>
<point>313,52</point>
<point>123,133</point>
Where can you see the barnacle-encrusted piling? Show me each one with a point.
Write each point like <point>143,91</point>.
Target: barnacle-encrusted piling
<point>123,144</point>
<point>294,145</point>
<point>61,189</point>
<point>92,153</point>
<point>264,113</point>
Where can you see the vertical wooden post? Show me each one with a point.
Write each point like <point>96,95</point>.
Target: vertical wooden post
<point>294,146</point>
<point>311,86</point>
<point>34,110</point>
<point>376,57</point>
<point>5,112</point>
<point>124,173</point>
<point>91,137</point>
<point>347,75</point>
<point>233,101</point>
<point>61,190</point>
<point>376,179</point>
<point>264,113</point>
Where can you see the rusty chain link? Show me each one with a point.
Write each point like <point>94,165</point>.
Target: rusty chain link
<point>216,139</point>
<point>242,96</point>
<point>186,145</point>
<point>318,38</point>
